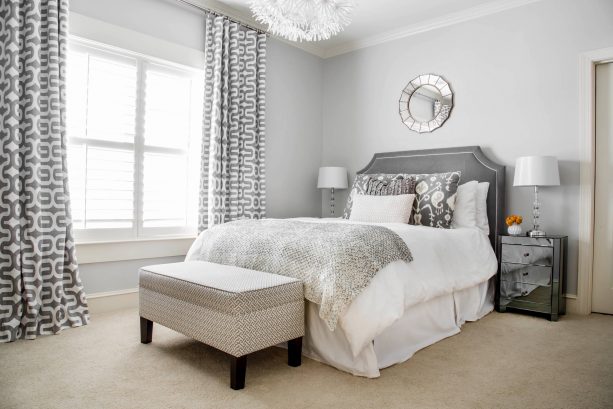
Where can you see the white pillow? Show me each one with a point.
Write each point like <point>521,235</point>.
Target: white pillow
<point>482,221</point>
<point>465,213</point>
<point>382,209</point>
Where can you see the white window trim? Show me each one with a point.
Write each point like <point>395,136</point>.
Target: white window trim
<point>122,250</point>
<point>97,31</point>
<point>87,237</point>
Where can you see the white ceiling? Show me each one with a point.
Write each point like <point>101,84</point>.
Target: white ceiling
<point>377,21</point>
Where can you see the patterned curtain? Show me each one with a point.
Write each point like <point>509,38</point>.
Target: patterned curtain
<point>40,290</point>
<point>232,180</point>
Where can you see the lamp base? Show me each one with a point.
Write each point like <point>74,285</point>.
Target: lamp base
<point>536,233</point>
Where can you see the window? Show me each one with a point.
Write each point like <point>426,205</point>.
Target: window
<point>134,127</point>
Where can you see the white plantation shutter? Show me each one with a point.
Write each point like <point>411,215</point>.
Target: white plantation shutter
<point>111,99</point>
<point>133,127</point>
<point>165,190</point>
<point>173,112</point>
<point>109,188</point>
<point>167,110</point>
<point>101,94</point>
<point>166,126</point>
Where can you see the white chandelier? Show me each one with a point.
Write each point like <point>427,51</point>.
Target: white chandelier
<point>308,20</point>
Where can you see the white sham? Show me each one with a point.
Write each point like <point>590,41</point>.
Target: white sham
<point>382,209</point>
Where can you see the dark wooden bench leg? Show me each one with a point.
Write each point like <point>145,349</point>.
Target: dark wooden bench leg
<point>146,330</point>
<point>294,352</point>
<point>238,369</point>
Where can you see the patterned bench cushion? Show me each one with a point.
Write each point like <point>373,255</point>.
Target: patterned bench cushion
<point>233,309</point>
<point>228,289</point>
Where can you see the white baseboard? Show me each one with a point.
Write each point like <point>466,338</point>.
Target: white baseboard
<point>112,301</point>
<point>572,306</point>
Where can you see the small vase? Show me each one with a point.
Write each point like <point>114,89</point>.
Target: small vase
<point>514,229</point>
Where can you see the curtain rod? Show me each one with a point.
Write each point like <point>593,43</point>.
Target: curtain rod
<point>217,13</point>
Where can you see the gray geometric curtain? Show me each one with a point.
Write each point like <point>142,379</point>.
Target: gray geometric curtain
<point>232,180</point>
<point>40,290</point>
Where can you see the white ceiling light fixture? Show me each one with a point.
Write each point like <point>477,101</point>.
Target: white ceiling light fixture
<point>303,20</point>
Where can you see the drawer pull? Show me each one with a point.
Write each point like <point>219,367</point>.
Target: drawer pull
<point>526,254</point>
<point>525,273</point>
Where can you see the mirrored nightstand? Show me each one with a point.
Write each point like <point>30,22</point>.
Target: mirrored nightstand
<point>531,274</point>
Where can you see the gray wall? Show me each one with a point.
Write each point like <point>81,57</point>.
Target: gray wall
<point>293,121</point>
<point>515,79</point>
<point>293,131</point>
<point>116,275</point>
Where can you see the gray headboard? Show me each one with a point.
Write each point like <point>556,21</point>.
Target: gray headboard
<point>468,159</point>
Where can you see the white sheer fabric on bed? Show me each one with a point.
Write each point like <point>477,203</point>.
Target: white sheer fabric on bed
<point>408,306</point>
<point>422,325</point>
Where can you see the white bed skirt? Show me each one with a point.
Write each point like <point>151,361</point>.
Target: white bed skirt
<point>421,325</point>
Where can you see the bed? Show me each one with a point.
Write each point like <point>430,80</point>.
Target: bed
<point>408,306</point>
<point>431,319</point>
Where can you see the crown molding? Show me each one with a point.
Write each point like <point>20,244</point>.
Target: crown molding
<point>321,51</point>
<point>310,48</point>
<point>428,25</point>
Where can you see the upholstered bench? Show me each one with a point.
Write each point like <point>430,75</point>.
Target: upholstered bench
<point>235,310</point>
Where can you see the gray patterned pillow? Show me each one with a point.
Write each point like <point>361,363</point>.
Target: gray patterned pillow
<point>435,195</point>
<point>361,185</point>
<point>398,186</point>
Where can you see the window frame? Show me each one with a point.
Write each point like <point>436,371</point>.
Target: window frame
<point>138,232</point>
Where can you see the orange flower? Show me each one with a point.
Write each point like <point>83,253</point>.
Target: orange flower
<point>513,219</point>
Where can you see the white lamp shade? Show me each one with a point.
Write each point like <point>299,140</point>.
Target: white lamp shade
<point>536,171</point>
<point>332,177</point>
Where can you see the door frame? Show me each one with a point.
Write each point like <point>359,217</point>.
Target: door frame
<point>587,170</point>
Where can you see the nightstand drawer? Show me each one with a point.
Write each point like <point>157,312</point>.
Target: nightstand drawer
<point>525,305</point>
<point>540,294</point>
<point>528,241</point>
<point>534,255</point>
<point>522,273</point>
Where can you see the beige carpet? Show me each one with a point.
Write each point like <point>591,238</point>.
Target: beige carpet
<point>504,360</point>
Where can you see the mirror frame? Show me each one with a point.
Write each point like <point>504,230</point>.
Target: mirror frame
<point>442,86</point>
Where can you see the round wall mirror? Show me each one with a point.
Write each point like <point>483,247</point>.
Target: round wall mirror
<point>425,103</point>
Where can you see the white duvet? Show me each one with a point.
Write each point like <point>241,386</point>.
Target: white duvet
<point>444,261</point>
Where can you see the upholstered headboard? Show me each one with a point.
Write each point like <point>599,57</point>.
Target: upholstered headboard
<point>468,159</point>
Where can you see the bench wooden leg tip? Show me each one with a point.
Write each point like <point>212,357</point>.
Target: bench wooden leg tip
<point>238,369</point>
<point>294,352</point>
<point>146,330</point>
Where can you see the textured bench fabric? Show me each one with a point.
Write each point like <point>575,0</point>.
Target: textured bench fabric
<point>235,310</point>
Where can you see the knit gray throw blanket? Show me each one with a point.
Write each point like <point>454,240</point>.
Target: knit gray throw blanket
<point>335,261</point>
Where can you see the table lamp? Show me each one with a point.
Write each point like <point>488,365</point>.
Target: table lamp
<point>332,177</point>
<point>536,171</point>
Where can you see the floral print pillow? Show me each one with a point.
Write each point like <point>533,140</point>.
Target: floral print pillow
<point>435,196</point>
